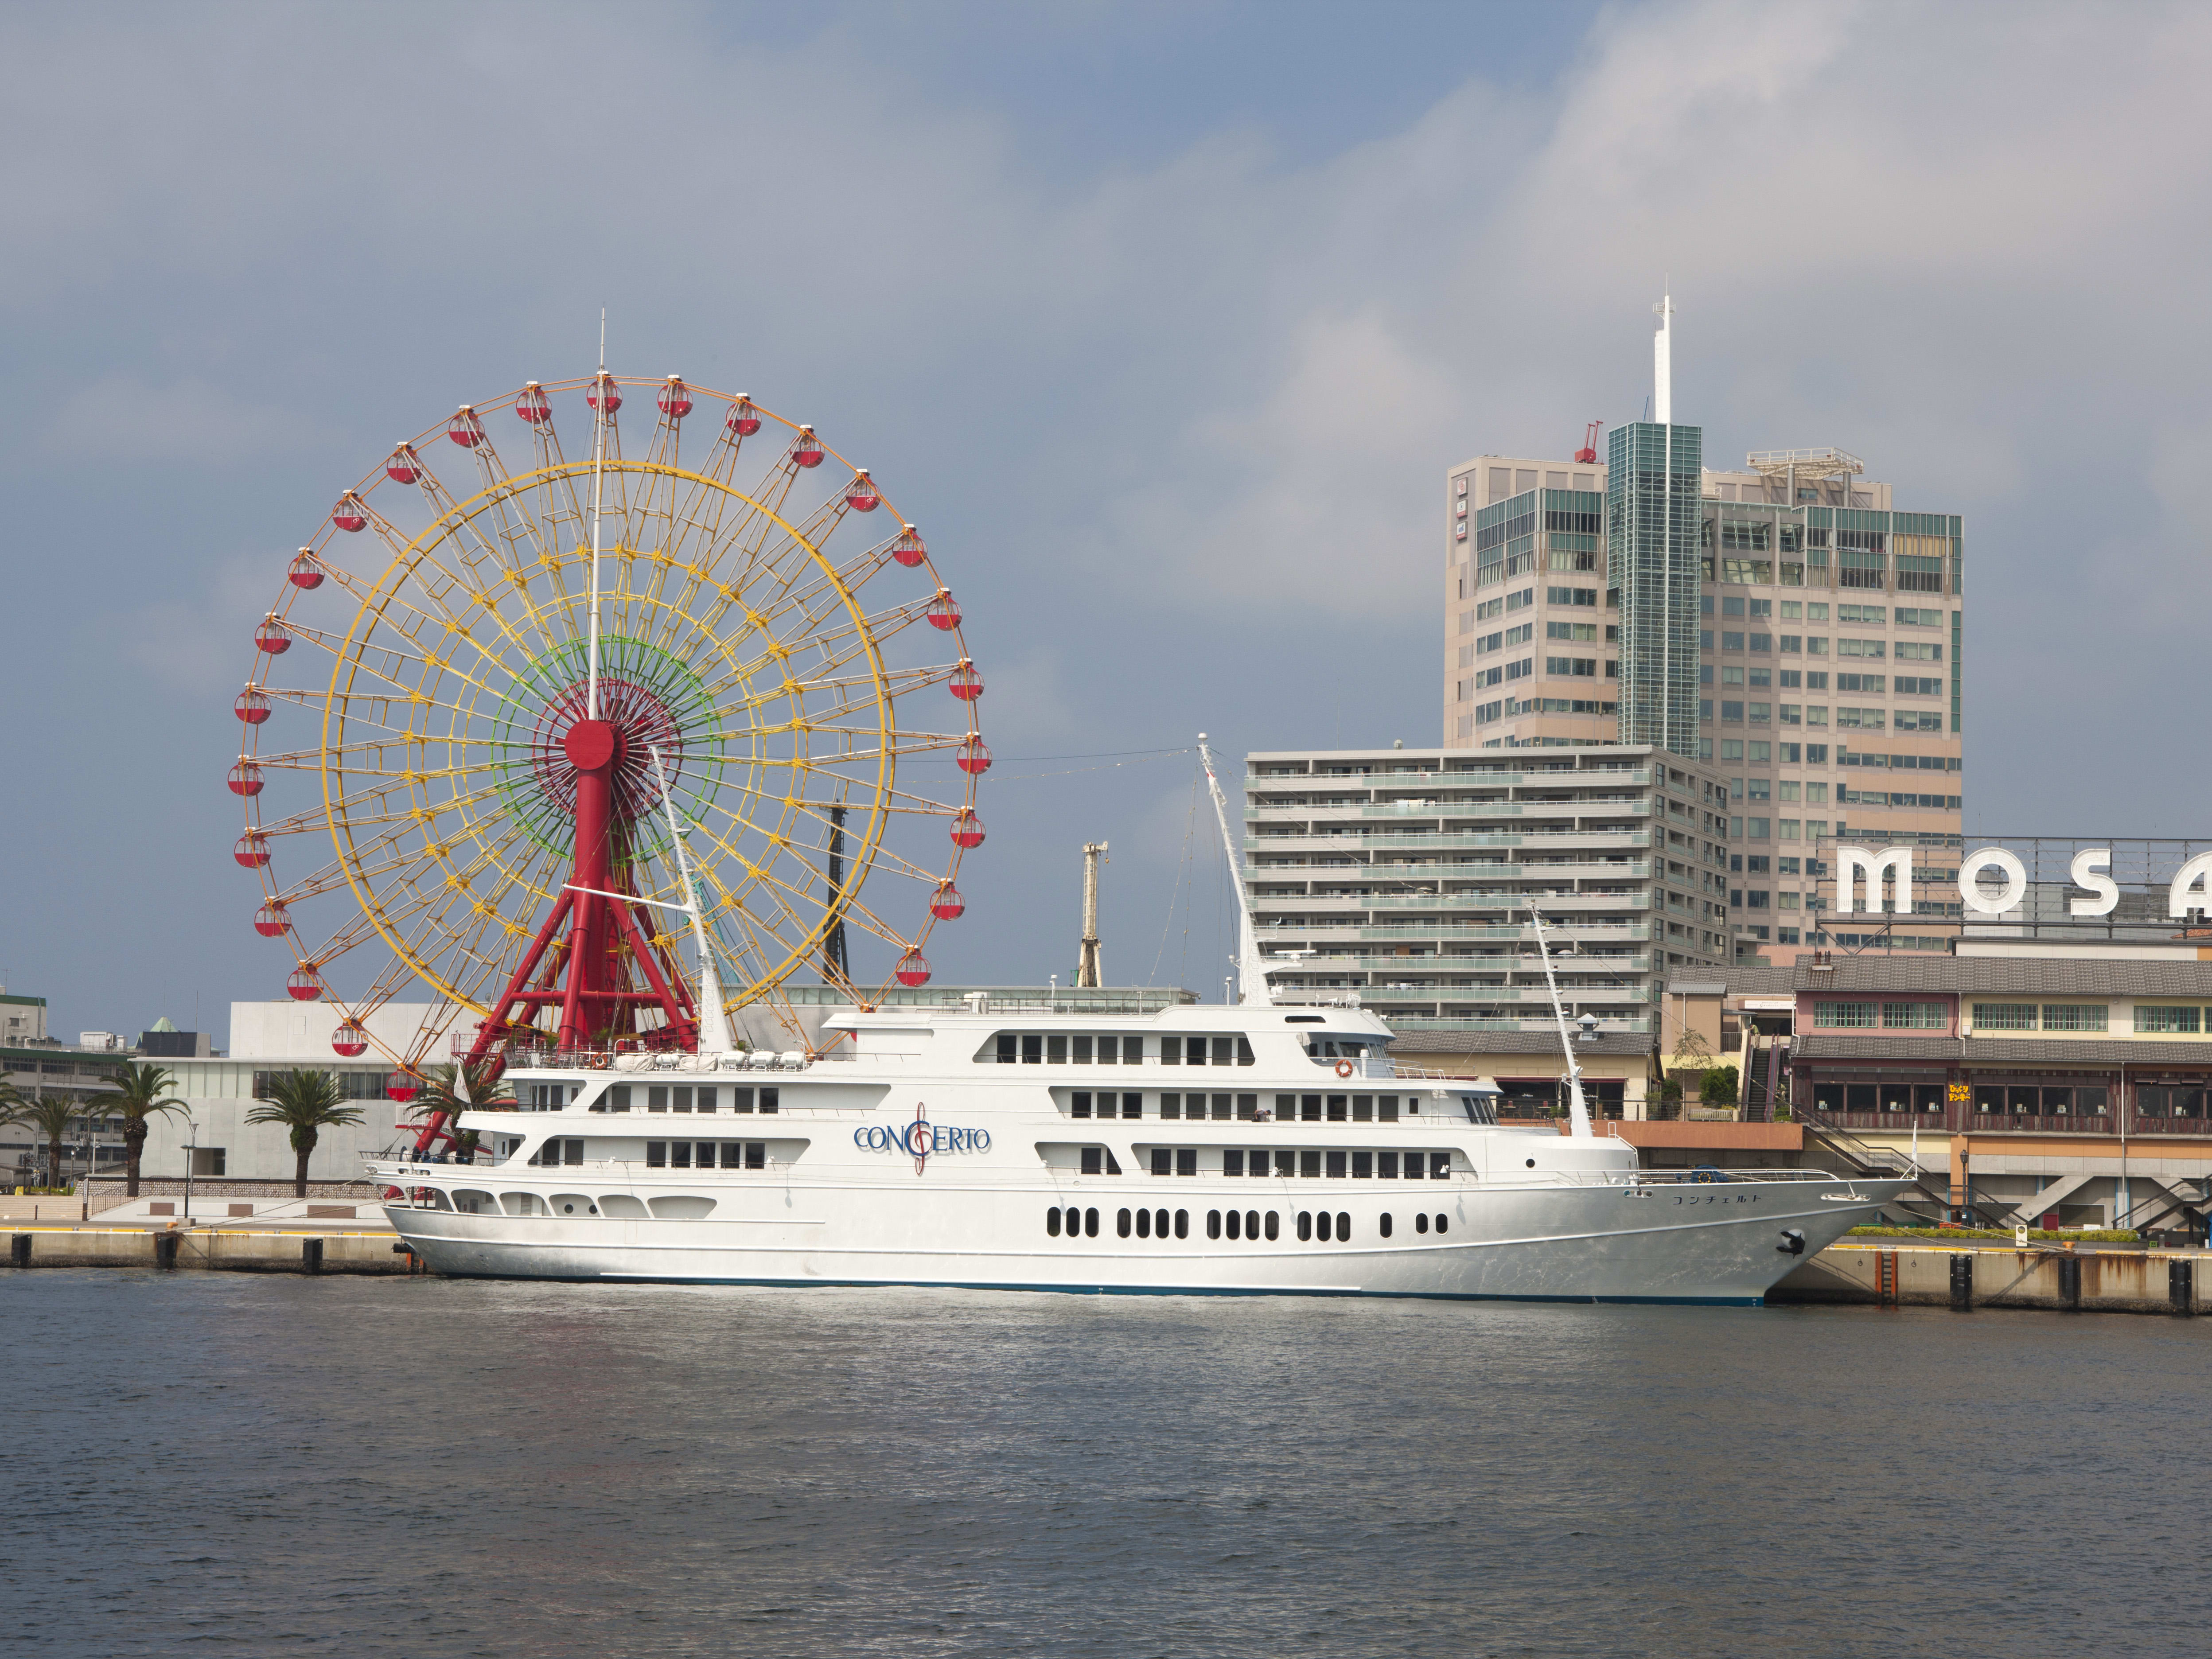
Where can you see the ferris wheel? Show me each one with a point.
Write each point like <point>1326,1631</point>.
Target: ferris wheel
<point>547,702</point>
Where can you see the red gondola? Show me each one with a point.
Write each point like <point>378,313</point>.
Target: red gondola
<point>974,757</point>
<point>250,707</point>
<point>402,1086</point>
<point>806,448</point>
<point>245,779</point>
<point>403,466</point>
<point>464,428</point>
<point>967,828</point>
<point>534,406</point>
<point>306,985</point>
<point>966,684</point>
<point>304,573</point>
<point>860,495</point>
<point>270,921</point>
<point>675,398</point>
<point>912,970</point>
<point>351,513</point>
<point>948,904</point>
<point>253,849</point>
<point>273,637</point>
<point>350,1039</point>
<point>745,419</point>
<point>910,549</point>
<point>943,612</point>
<point>604,395</point>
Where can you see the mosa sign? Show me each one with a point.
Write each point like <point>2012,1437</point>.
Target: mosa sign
<point>1993,881</point>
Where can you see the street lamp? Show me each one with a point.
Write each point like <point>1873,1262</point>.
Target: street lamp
<point>192,1145</point>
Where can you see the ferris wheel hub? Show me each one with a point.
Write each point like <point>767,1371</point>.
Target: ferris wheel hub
<point>591,745</point>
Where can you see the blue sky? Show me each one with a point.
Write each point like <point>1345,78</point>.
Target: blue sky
<point>1167,320</point>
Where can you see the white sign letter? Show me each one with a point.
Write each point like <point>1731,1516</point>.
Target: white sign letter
<point>2087,863</point>
<point>2014,889</point>
<point>1854,862</point>
<point>2192,887</point>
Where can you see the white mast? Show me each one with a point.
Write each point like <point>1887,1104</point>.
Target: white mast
<point>598,466</point>
<point>1663,361</point>
<point>1251,974</point>
<point>1579,1120</point>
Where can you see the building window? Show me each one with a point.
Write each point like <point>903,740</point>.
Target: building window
<point>1913,1017</point>
<point>2168,1021</point>
<point>1850,1016</point>
<point>2011,1016</point>
<point>2073,1017</point>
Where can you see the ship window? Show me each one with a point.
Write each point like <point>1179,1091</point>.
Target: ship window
<point>618,1097</point>
<point>1122,1224</point>
<point>1244,1055</point>
<point>1170,1051</point>
<point>1286,1108</point>
<point>1321,1228</point>
<point>1056,1050</point>
<point>1224,1050</point>
<point>1287,1163</point>
<point>1182,1224</point>
<point>1232,1162</point>
<point>1212,1222</point>
<point>1412,1166</point>
<point>1052,1224</point>
<point>1444,1224</point>
<point>741,1100</point>
<point>1248,1108</point>
<point>1196,1047</point>
<point>1235,1225</point>
<point>756,1155</point>
<point>1273,1230</point>
<point>1006,1041</point>
<point>683,1099</point>
<point>1309,1108</point>
<point>1162,1160</point>
<point>707,1100</point>
<point>1144,1223</point>
<point>656,1154</point>
<point>1091,1223</point>
<point>1336,1108</point>
<point>1107,1046</point>
<point>1386,1165</point>
<point>1032,1050</point>
<point>572,1152</point>
<point>1079,1103</point>
<point>1094,1160</point>
<point>1440,1166</point>
<point>1363,1109</point>
<point>656,1098</point>
<point>1388,1108</point>
<point>1383,1225</point>
<point>1252,1226</point>
<point>1309,1165</point>
<point>1336,1166</point>
<point>1185,1160</point>
<point>1160,1223</point>
<point>1362,1166</point>
<point>1343,1227</point>
<point>1171,1105</point>
<point>769,1097</point>
<point>1305,1226</point>
<point>1082,1050</point>
<point>1420,1224</point>
<point>679,1154</point>
<point>1132,1105</point>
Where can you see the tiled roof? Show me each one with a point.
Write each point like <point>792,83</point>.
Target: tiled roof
<point>1989,1052</point>
<point>1984,976</point>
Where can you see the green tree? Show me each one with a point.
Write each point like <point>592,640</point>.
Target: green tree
<point>482,1090</point>
<point>1716,1085</point>
<point>141,1091</point>
<point>49,1116</point>
<point>307,1104</point>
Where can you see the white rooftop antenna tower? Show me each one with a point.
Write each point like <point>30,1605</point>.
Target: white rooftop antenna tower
<point>1662,361</point>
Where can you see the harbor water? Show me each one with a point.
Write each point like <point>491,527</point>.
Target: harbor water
<point>210,1464</point>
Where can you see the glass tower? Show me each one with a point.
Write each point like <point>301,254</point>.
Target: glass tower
<point>1653,506</point>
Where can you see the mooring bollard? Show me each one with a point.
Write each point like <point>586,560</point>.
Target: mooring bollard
<point>165,1249</point>
<point>311,1256</point>
<point>19,1250</point>
<point>1962,1282</point>
<point>2070,1281</point>
<point>2181,1286</point>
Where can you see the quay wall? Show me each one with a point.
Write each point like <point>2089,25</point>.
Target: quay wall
<point>220,1249</point>
<point>1904,1273</point>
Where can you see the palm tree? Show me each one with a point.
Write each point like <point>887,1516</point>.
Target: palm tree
<point>482,1090</point>
<point>307,1104</point>
<point>142,1091</point>
<point>50,1115</point>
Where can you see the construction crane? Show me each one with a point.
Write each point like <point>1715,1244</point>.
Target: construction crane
<point>1587,455</point>
<point>1086,967</point>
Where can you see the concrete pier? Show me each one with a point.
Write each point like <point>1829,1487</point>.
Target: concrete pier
<point>225,1249</point>
<point>1970,1274</point>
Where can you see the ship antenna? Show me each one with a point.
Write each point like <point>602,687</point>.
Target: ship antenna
<point>1251,974</point>
<point>1579,1120</point>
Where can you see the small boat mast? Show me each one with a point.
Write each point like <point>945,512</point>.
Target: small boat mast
<point>1578,1118</point>
<point>1251,972</point>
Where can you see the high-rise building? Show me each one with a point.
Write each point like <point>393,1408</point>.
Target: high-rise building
<point>1783,621</point>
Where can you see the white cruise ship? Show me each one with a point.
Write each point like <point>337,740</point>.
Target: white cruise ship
<point>1249,1149</point>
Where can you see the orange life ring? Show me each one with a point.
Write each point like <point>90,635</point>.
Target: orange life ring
<point>1344,1068</point>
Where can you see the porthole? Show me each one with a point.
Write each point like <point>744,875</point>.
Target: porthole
<point>1420,1224</point>
<point>1273,1227</point>
<point>1160,1223</point>
<point>1235,1225</point>
<point>1144,1223</point>
<point>1052,1224</point>
<point>1531,1163</point>
<point>1305,1226</point>
<point>1323,1227</point>
<point>1343,1227</point>
<point>1383,1226</point>
<point>1091,1223</point>
<point>1182,1224</point>
<point>1122,1224</point>
<point>1444,1224</point>
<point>1252,1224</point>
<point>1213,1223</point>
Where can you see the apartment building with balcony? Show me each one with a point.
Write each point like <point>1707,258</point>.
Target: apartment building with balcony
<point>1406,878</point>
<point>1820,649</point>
